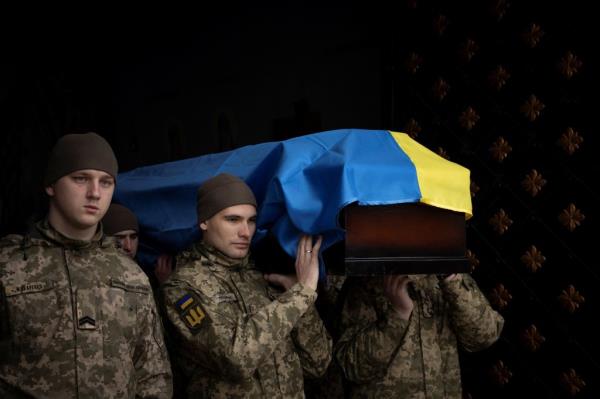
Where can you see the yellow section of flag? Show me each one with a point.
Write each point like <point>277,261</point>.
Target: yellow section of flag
<point>442,183</point>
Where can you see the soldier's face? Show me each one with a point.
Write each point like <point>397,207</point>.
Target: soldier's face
<point>231,230</point>
<point>128,241</point>
<point>80,199</point>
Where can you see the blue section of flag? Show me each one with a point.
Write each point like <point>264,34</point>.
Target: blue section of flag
<point>300,184</point>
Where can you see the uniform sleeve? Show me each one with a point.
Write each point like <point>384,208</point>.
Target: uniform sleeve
<point>475,323</point>
<point>370,335</point>
<point>233,345</point>
<point>313,343</point>
<point>151,361</point>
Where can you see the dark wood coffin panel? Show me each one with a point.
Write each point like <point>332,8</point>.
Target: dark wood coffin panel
<point>404,239</point>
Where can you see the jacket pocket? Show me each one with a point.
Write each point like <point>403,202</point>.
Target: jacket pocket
<point>32,314</point>
<point>120,304</point>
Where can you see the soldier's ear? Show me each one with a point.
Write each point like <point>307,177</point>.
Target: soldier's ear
<point>203,226</point>
<point>50,191</point>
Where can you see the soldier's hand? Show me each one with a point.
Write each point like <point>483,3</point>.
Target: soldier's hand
<point>282,280</point>
<point>307,261</point>
<point>395,288</point>
<point>163,268</point>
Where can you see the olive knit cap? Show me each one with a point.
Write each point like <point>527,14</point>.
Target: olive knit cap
<point>119,218</point>
<point>74,152</point>
<point>220,192</point>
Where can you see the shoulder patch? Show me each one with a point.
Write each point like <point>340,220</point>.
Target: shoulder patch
<point>190,311</point>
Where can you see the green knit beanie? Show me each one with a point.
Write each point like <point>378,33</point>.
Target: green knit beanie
<point>74,152</point>
<point>220,192</point>
<point>119,218</point>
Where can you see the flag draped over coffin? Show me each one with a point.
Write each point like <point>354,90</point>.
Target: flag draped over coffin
<point>301,185</point>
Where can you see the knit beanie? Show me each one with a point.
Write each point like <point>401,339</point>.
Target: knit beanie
<point>74,152</point>
<point>220,192</point>
<point>119,218</point>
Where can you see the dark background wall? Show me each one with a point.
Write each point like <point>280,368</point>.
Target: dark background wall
<point>182,84</point>
<point>186,84</point>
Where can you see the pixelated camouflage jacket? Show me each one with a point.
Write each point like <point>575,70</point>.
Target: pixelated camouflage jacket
<point>385,356</point>
<point>237,339</point>
<point>77,320</point>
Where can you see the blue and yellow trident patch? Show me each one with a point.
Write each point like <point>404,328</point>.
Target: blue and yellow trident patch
<point>190,311</point>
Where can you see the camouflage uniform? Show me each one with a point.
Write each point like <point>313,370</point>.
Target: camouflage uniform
<point>238,339</point>
<point>77,320</point>
<point>329,305</point>
<point>385,356</point>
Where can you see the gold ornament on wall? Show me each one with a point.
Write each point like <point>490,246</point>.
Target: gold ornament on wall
<point>414,62</point>
<point>500,297</point>
<point>468,50</point>
<point>499,9</point>
<point>500,149</point>
<point>500,222</point>
<point>440,23</point>
<point>533,35</point>
<point>498,77</point>
<point>412,128</point>
<point>440,89</point>
<point>571,217</point>
<point>533,259</point>
<point>532,108</point>
<point>442,153</point>
<point>531,338</point>
<point>569,65</point>
<point>533,182</point>
<point>570,141</point>
<point>570,299</point>
<point>468,118</point>
<point>474,188</point>
<point>473,261</point>
<point>500,374</point>
<point>571,382</point>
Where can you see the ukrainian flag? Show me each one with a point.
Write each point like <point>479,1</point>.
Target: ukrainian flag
<point>301,185</point>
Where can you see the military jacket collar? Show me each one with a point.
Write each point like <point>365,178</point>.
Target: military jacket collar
<point>215,259</point>
<point>44,230</point>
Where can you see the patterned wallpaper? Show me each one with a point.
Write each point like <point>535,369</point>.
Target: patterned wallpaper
<point>504,88</point>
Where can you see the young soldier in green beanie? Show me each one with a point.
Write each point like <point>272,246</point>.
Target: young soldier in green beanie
<point>77,316</point>
<point>122,224</point>
<point>236,337</point>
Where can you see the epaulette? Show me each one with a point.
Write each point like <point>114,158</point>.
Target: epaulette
<point>17,242</point>
<point>107,242</point>
<point>11,240</point>
<point>185,256</point>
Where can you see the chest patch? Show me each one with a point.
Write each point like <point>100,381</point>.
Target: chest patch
<point>225,298</point>
<point>26,288</point>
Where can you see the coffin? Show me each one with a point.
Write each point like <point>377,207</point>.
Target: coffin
<point>402,239</point>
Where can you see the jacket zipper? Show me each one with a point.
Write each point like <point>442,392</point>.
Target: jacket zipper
<point>74,315</point>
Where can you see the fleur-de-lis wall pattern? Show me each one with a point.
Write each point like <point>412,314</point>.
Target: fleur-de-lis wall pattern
<point>503,88</point>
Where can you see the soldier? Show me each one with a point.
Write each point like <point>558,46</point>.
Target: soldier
<point>77,316</point>
<point>122,224</point>
<point>400,334</point>
<point>238,338</point>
